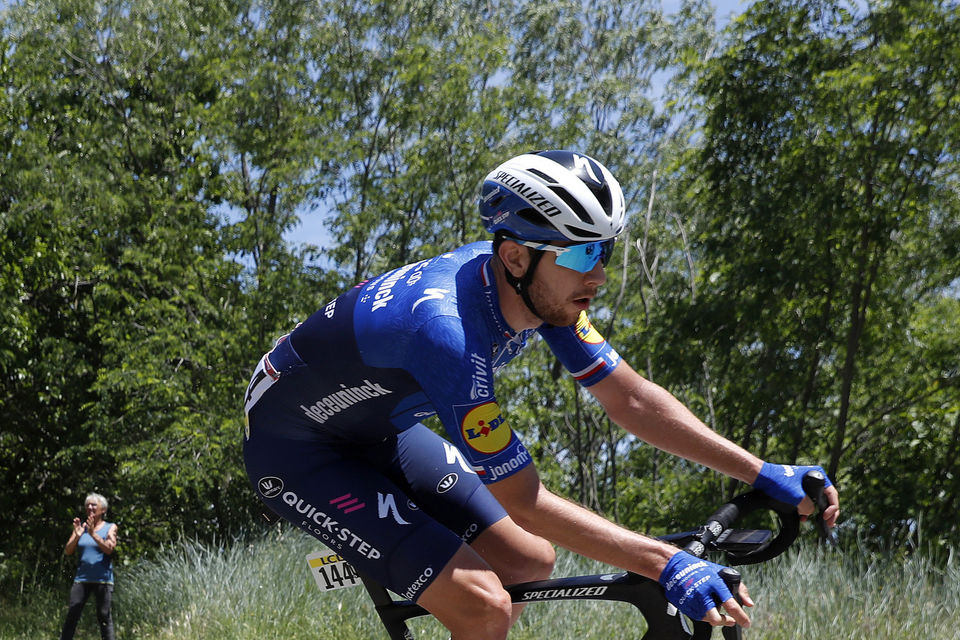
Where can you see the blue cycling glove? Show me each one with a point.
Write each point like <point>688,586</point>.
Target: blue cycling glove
<point>694,586</point>
<point>783,481</point>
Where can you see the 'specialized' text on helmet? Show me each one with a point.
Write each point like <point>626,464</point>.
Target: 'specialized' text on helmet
<point>550,196</point>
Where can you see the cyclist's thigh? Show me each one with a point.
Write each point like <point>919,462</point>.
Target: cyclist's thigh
<point>514,553</point>
<point>352,506</point>
<point>444,485</point>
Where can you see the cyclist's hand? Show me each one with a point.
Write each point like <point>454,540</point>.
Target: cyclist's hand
<point>695,587</point>
<point>783,482</point>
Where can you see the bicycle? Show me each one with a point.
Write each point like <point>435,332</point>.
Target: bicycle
<point>664,622</point>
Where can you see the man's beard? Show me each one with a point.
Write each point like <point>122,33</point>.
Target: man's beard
<point>559,315</point>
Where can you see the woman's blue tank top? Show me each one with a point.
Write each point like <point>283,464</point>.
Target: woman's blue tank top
<point>95,565</point>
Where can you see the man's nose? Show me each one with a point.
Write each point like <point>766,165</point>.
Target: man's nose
<point>597,275</point>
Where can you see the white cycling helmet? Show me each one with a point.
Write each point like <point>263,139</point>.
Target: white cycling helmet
<point>550,196</point>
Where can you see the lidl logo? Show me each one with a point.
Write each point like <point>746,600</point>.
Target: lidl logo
<point>585,330</point>
<point>485,429</point>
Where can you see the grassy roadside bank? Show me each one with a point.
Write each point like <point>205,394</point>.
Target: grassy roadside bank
<point>264,590</point>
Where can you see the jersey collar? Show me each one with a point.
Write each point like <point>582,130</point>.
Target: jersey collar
<point>493,301</point>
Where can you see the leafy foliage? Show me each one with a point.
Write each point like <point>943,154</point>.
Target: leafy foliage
<point>789,270</point>
<point>826,157</point>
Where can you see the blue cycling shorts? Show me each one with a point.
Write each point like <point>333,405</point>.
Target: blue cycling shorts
<point>396,510</point>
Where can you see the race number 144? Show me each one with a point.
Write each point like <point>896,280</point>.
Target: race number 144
<point>331,571</point>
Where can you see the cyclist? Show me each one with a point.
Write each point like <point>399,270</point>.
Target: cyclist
<point>335,444</point>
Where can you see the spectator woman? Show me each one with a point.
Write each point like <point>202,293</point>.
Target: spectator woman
<point>97,540</point>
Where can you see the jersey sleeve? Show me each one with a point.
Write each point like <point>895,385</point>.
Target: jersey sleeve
<point>582,350</point>
<point>457,377</point>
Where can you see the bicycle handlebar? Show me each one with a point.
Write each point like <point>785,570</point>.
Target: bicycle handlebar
<point>725,517</point>
<point>729,514</point>
<point>813,485</point>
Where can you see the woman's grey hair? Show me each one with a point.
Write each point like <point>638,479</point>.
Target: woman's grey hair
<point>99,498</point>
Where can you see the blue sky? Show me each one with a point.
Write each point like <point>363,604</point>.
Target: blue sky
<point>725,8</point>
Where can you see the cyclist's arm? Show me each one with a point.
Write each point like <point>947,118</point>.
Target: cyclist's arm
<point>641,407</point>
<point>541,512</point>
<point>651,413</point>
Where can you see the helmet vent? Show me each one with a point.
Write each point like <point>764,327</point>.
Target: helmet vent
<point>533,216</point>
<point>573,203</point>
<point>541,174</point>
<point>605,198</point>
<point>493,204</point>
<point>581,233</point>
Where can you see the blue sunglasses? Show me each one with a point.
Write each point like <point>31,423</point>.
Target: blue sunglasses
<point>579,257</point>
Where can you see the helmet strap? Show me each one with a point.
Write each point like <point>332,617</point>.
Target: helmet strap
<point>522,284</point>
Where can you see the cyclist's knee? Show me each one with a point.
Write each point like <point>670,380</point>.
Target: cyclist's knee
<point>468,598</point>
<point>534,562</point>
<point>480,609</point>
<point>549,557</point>
<point>489,614</point>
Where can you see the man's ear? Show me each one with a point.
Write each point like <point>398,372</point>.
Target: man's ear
<point>515,257</point>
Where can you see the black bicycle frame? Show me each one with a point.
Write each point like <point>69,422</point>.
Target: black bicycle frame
<point>663,620</point>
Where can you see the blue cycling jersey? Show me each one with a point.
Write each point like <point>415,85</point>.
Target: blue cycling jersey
<point>420,340</point>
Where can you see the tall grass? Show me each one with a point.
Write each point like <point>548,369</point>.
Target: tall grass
<point>814,593</point>
<point>263,589</point>
<point>257,590</point>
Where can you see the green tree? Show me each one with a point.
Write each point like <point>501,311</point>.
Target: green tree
<point>425,111</point>
<point>132,314</point>
<point>828,190</point>
<point>47,362</point>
